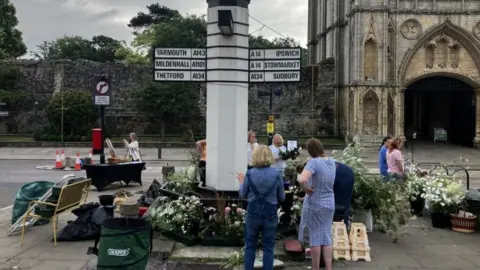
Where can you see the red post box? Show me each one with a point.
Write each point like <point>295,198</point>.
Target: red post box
<point>97,141</point>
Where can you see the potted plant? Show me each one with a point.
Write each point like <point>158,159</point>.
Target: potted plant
<point>178,219</point>
<point>182,181</point>
<point>223,227</point>
<point>416,188</point>
<point>443,193</point>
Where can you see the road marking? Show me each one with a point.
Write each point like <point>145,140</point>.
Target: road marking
<point>6,208</point>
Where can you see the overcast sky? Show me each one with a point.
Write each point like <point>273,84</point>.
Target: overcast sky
<point>42,20</point>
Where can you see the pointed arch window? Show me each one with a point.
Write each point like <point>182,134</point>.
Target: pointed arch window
<point>429,55</point>
<point>370,64</point>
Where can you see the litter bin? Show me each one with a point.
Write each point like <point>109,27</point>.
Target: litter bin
<point>473,201</point>
<point>124,243</point>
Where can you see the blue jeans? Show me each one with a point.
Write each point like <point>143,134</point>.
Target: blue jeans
<point>261,217</point>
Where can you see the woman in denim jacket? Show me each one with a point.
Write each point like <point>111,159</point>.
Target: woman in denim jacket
<point>263,188</point>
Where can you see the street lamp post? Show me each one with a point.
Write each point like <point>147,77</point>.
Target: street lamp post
<point>271,117</point>
<point>414,136</point>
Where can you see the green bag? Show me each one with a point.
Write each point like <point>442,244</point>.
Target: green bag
<point>27,193</point>
<point>124,243</point>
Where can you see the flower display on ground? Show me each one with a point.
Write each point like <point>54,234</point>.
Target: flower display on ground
<point>182,215</point>
<point>227,223</point>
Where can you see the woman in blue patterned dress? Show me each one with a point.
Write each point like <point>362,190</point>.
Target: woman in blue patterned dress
<point>319,203</point>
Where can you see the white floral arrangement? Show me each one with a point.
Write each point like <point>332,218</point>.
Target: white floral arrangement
<point>296,211</point>
<point>180,215</point>
<point>416,186</point>
<point>443,193</point>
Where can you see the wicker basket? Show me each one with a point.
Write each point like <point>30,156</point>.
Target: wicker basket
<point>463,223</point>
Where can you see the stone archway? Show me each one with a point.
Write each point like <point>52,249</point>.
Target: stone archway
<point>447,52</point>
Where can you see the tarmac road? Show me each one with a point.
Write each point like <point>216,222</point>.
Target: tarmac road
<point>16,173</point>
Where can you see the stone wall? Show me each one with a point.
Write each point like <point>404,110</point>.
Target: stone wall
<point>298,111</point>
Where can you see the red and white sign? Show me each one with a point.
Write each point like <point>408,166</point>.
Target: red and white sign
<point>102,87</point>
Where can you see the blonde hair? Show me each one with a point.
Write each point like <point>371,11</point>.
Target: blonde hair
<point>262,156</point>
<point>280,137</point>
<point>250,134</point>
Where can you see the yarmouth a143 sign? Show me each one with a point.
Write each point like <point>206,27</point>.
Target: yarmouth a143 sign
<point>180,64</point>
<point>275,65</point>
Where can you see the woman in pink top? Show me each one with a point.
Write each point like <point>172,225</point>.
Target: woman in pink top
<point>395,160</point>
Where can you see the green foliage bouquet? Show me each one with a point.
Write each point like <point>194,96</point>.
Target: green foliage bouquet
<point>183,181</point>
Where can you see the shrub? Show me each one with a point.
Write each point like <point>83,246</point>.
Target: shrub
<point>58,138</point>
<point>44,137</point>
<point>84,139</point>
<point>80,116</point>
<point>52,138</point>
<point>37,135</point>
<point>69,138</point>
<point>77,138</point>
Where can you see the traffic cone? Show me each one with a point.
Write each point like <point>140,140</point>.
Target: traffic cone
<point>90,155</point>
<point>78,166</point>
<point>58,162</point>
<point>62,158</point>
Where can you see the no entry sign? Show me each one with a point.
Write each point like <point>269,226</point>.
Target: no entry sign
<point>102,91</point>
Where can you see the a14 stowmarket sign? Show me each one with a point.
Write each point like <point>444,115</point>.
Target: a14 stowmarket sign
<point>190,64</point>
<point>275,65</point>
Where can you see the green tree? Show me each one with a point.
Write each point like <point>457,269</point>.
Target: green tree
<point>132,57</point>
<point>11,42</point>
<point>100,49</point>
<point>156,14</point>
<point>79,112</point>
<point>167,103</point>
<point>189,32</point>
<point>106,48</point>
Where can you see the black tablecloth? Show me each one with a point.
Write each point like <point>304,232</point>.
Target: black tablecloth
<point>103,175</point>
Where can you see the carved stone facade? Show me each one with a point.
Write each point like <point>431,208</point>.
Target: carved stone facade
<point>382,47</point>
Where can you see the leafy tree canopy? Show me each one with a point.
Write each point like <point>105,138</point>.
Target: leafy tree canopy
<point>166,103</point>
<point>156,14</point>
<point>100,48</point>
<point>11,42</point>
<point>164,27</point>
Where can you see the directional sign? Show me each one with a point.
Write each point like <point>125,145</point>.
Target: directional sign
<point>180,64</point>
<point>275,65</point>
<point>102,91</point>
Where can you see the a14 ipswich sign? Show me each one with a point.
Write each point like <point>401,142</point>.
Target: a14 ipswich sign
<point>275,65</point>
<point>190,64</point>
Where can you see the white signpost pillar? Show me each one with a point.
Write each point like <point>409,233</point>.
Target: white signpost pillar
<point>227,92</point>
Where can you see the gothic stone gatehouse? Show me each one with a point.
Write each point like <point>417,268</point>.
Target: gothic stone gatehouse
<point>403,66</point>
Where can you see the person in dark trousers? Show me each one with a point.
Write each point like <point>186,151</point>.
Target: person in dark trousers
<point>202,164</point>
<point>263,188</point>
<point>382,158</point>
<point>343,188</point>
